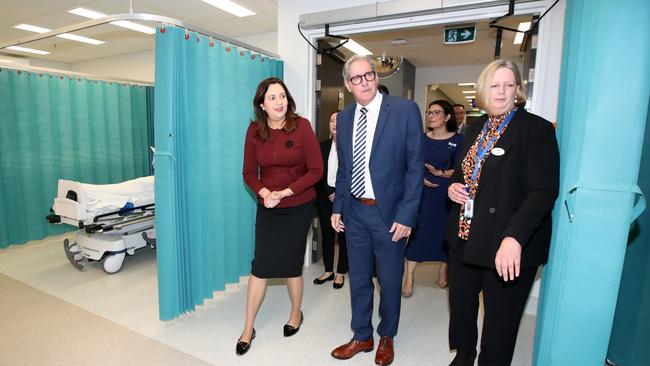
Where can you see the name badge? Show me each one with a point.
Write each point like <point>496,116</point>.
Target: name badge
<point>469,208</point>
<point>497,151</point>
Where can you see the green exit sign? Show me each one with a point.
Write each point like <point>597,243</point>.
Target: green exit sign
<point>460,34</point>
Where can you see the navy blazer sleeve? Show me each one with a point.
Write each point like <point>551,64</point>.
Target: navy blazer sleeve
<point>409,208</point>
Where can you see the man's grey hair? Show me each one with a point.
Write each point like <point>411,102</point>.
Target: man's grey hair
<point>353,59</point>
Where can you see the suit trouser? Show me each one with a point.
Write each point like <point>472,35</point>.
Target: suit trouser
<point>370,247</point>
<point>324,207</point>
<point>504,304</point>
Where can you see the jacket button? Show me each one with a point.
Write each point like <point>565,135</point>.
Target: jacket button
<point>492,210</point>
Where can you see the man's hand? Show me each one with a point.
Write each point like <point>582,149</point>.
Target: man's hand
<point>399,231</point>
<point>337,223</point>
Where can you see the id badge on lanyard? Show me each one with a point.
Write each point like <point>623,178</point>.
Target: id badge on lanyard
<point>469,207</point>
<point>480,153</point>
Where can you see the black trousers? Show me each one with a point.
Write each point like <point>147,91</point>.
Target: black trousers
<point>504,304</point>
<point>324,207</point>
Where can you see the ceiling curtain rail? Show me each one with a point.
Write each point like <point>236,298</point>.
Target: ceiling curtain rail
<point>75,75</point>
<point>163,20</point>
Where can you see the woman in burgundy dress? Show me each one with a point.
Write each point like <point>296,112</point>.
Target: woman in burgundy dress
<point>282,163</point>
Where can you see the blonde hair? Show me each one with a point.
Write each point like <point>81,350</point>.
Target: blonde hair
<point>485,80</point>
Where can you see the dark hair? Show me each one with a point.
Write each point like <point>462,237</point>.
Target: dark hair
<point>383,88</point>
<point>459,105</point>
<point>451,124</point>
<point>261,118</point>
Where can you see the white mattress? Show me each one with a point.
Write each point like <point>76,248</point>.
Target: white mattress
<point>96,199</point>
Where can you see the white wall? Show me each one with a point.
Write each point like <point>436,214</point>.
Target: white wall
<point>134,66</point>
<point>267,41</point>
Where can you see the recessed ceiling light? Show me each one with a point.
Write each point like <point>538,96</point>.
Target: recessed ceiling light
<point>32,28</point>
<point>469,91</point>
<point>467,84</point>
<point>519,37</point>
<point>356,48</point>
<point>28,50</point>
<point>230,7</point>
<point>469,97</point>
<point>73,37</point>
<point>120,23</point>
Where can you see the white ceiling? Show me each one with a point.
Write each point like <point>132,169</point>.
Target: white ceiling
<point>424,46</point>
<point>54,14</point>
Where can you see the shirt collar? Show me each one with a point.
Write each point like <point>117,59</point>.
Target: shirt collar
<point>374,105</point>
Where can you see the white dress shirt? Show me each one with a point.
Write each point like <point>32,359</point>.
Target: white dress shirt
<point>332,165</point>
<point>372,116</point>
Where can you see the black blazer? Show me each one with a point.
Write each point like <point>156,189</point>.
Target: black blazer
<point>516,192</point>
<point>322,188</point>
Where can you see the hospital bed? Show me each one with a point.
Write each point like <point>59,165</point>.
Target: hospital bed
<point>113,220</point>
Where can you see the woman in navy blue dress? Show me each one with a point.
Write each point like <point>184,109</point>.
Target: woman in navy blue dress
<point>441,148</point>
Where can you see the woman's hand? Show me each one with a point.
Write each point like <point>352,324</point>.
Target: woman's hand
<point>508,259</point>
<point>435,172</point>
<point>272,199</point>
<point>457,193</point>
<point>430,185</point>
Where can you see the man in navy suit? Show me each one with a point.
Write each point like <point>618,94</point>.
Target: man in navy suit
<point>378,187</point>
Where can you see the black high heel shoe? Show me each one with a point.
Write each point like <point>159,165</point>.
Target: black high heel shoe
<point>318,281</point>
<point>337,285</point>
<point>243,347</point>
<point>290,330</point>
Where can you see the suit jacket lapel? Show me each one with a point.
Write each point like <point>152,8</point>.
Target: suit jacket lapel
<point>382,120</point>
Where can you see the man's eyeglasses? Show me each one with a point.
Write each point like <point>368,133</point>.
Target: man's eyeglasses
<point>435,113</point>
<point>369,76</point>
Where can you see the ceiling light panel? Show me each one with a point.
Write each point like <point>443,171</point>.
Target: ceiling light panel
<point>356,48</point>
<point>230,7</point>
<point>87,13</point>
<point>519,37</point>
<point>28,50</point>
<point>72,37</point>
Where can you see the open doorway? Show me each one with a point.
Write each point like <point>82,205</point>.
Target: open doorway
<point>417,64</point>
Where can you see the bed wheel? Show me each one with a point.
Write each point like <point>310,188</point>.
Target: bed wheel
<point>73,253</point>
<point>113,262</point>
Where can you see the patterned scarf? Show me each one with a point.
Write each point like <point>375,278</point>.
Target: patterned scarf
<point>469,162</point>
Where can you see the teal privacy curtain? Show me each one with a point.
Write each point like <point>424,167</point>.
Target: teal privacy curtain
<point>600,132</point>
<point>628,344</point>
<point>205,215</point>
<point>54,127</point>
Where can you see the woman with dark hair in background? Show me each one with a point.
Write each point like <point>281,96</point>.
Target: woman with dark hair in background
<point>281,165</point>
<point>499,230</point>
<point>325,195</point>
<point>441,146</point>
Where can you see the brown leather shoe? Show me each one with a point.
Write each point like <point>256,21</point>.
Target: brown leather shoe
<point>353,347</point>
<point>385,352</point>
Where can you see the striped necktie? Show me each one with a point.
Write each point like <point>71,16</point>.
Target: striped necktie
<point>359,156</point>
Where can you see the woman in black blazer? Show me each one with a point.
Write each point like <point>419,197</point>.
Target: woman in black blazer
<point>499,231</point>
<point>324,197</point>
